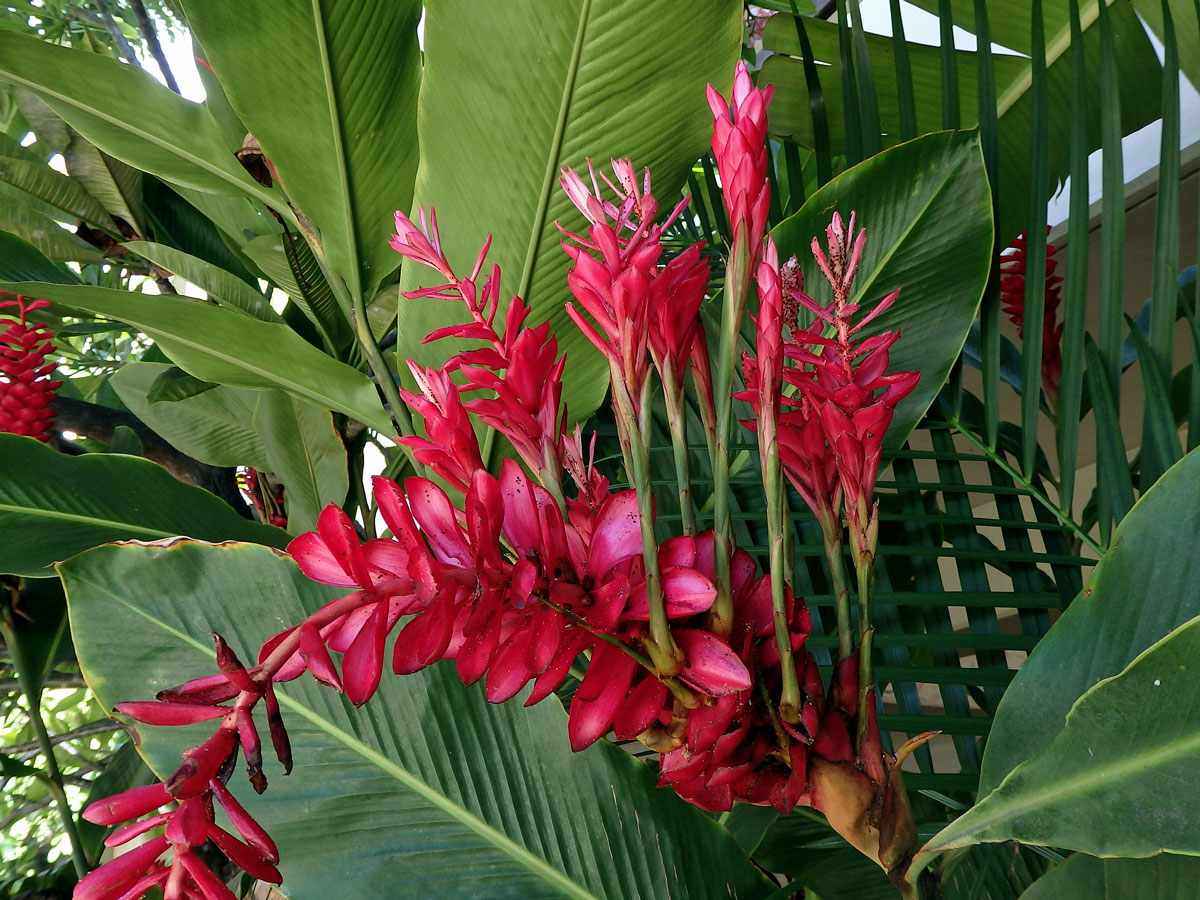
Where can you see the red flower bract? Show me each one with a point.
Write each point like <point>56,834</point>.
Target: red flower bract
<point>26,390</point>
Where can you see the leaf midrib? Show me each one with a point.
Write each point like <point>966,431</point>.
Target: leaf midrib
<point>339,150</point>
<point>41,512</point>
<point>554,157</point>
<point>538,867</point>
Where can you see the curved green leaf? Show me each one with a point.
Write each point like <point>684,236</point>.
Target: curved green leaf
<point>926,208</point>
<point>1130,601</point>
<point>1082,877</point>
<point>305,451</point>
<point>226,347</point>
<point>40,181</point>
<point>344,142</point>
<point>52,506</point>
<point>216,426</point>
<point>425,792</point>
<point>21,261</point>
<point>226,288</point>
<point>1119,779</point>
<point>493,138</point>
<point>125,112</point>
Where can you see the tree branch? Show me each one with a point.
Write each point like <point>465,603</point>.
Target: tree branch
<point>110,24</point>
<point>150,36</point>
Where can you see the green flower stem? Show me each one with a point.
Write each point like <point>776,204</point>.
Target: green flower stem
<point>1036,494</point>
<point>397,410</point>
<point>737,287</point>
<point>831,532</point>
<point>677,424</point>
<point>789,698</point>
<point>865,566</point>
<point>53,775</point>
<point>634,428</point>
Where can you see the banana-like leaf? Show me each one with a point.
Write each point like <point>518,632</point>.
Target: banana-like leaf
<point>125,112</point>
<point>427,791</point>
<point>1082,877</point>
<point>1119,779</point>
<point>19,217</point>
<point>221,285</point>
<point>215,427</point>
<point>227,347</point>
<point>343,141</point>
<point>925,207</point>
<point>494,134</point>
<point>53,506</point>
<point>1131,600</point>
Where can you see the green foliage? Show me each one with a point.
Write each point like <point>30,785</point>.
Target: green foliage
<point>53,506</point>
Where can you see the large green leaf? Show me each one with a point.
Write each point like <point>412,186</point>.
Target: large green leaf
<point>215,426</point>
<point>125,112</point>
<point>1140,81</point>
<point>19,217</point>
<point>1131,600</point>
<point>925,205</point>
<point>344,142</point>
<point>1120,778</point>
<point>494,135</point>
<point>227,347</point>
<point>1082,877</point>
<point>52,506</point>
<point>427,791</point>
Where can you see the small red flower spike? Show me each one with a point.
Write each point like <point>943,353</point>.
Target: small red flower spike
<point>1012,296</point>
<point>26,391</point>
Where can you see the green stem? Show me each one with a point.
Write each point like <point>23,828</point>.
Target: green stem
<point>737,287</point>
<point>789,698</point>
<point>831,531</point>
<point>1034,492</point>
<point>865,567</point>
<point>397,410</point>
<point>634,426</point>
<point>53,775</point>
<point>677,425</point>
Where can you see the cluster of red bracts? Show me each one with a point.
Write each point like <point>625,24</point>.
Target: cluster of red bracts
<point>1012,296</point>
<point>26,391</point>
<point>831,428</point>
<point>192,788</point>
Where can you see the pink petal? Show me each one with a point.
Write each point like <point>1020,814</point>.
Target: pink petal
<point>120,873</point>
<point>158,712</point>
<point>434,513</point>
<point>712,666</point>
<point>617,535</point>
<point>640,708</point>
<point>316,657</point>
<point>509,671</point>
<point>318,562</point>
<point>598,697</point>
<point>127,805</point>
<point>362,666</point>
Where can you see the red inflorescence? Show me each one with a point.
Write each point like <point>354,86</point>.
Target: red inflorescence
<point>1012,296</point>
<point>26,391</point>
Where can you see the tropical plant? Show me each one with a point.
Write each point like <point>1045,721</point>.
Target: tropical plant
<point>261,371</point>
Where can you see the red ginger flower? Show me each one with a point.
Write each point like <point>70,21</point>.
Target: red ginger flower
<point>26,393</point>
<point>186,827</point>
<point>740,147</point>
<point>632,305</point>
<point>521,368</point>
<point>1012,296</point>
<point>831,437</point>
